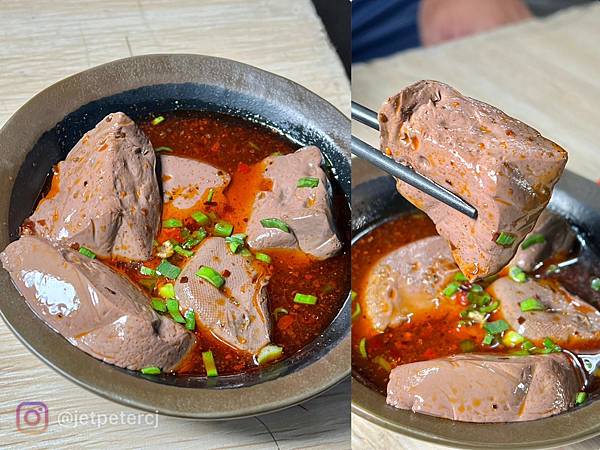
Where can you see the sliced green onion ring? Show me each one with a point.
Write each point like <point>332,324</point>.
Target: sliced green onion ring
<point>87,252</point>
<point>147,271</point>
<point>157,120</point>
<point>279,311</point>
<point>531,304</point>
<point>357,311</point>
<point>183,252</point>
<point>223,229</point>
<point>305,299</point>
<point>496,327</point>
<point>168,270</point>
<point>308,182</point>
<point>362,348</point>
<point>383,363</point>
<point>595,284</point>
<point>152,370</point>
<point>159,305</point>
<point>275,223</point>
<point>163,149</point>
<point>172,223</point>
<point>451,289</point>
<point>167,291</point>
<point>517,274</point>
<point>173,308</point>
<point>505,239</point>
<point>209,364</point>
<point>211,275</point>
<point>269,353</point>
<point>263,257</point>
<point>533,239</point>
<point>211,194</point>
<point>190,319</point>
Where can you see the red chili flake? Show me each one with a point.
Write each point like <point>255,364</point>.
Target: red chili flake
<point>226,273</point>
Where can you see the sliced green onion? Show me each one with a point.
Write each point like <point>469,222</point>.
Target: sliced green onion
<point>87,252</point>
<point>246,253</point>
<point>209,364</point>
<point>275,154</point>
<point>531,304</point>
<point>172,223</point>
<point>460,277</point>
<point>236,241</point>
<point>533,239</point>
<point>305,299</point>
<point>190,319</point>
<point>595,284</point>
<point>269,353</point>
<point>263,257</point>
<point>196,237</point>
<point>479,299</point>
<point>279,311</point>
<point>275,223</point>
<point>527,346</point>
<point>552,269</point>
<point>550,346</point>
<point>148,283</point>
<point>516,274</point>
<point>157,120</point>
<point>159,305</point>
<point>150,370</point>
<point>362,348</point>
<point>451,289</point>
<point>165,250</point>
<point>223,228</point>
<point>183,252</point>
<point>357,311</point>
<point>211,194</point>
<point>496,327</point>
<point>147,271</point>
<point>580,398</point>
<point>467,346</point>
<point>211,275</point>
<point>492,306</point>
<point>173,308</point>
<point>488,339</point>
<point>308,182</point>
<point>476,288</point>
<point>353,295</point>
<point>200,217</point>
<point>512,338</point>
<point>505,239</point>
<point>168,270</point>
<point>163,149</point>
<point>167,291</point>
<point>383,363</point>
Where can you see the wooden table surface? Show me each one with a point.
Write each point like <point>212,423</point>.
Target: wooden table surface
<point>45,41</point>
<point>544,72</point>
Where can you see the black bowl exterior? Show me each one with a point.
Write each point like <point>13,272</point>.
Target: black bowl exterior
<point>375,200</point>
<point>41,133</point>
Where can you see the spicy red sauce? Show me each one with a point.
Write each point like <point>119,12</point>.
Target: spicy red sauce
<point>428,335</point>
<point>237,147</point>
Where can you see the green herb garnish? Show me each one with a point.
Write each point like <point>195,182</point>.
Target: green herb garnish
<point>150,370</point>
<point>209,364</point>
<point>516,274</point>
<point>496,327</point>
<point>172,223</point>
<point>190,319</point>
<point>533,239</point>
<point>305,299</point>
<point>211,275</point>
<point>275,223</point>
<point>308,182</point>
<point>505,239</point>
<point>263,257</point>
<point>87,252</point>
<point>168,270</point>
<point>531,304</point>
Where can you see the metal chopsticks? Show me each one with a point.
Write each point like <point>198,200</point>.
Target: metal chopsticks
<point>400,171</point>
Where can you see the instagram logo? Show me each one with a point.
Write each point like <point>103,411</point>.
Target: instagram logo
<point>32,417</point>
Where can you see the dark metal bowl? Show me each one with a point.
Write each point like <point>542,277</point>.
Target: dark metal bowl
<point>374,198</point>
<point>42,132</point>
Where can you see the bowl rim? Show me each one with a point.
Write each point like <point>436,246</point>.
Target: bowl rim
<point>111,382</point>
<point>573,192</point>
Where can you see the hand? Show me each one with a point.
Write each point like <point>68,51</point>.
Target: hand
<point>444,20</point>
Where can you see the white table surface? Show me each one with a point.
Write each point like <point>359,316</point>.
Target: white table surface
<point>42,42</point>
<point>544,72</point>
